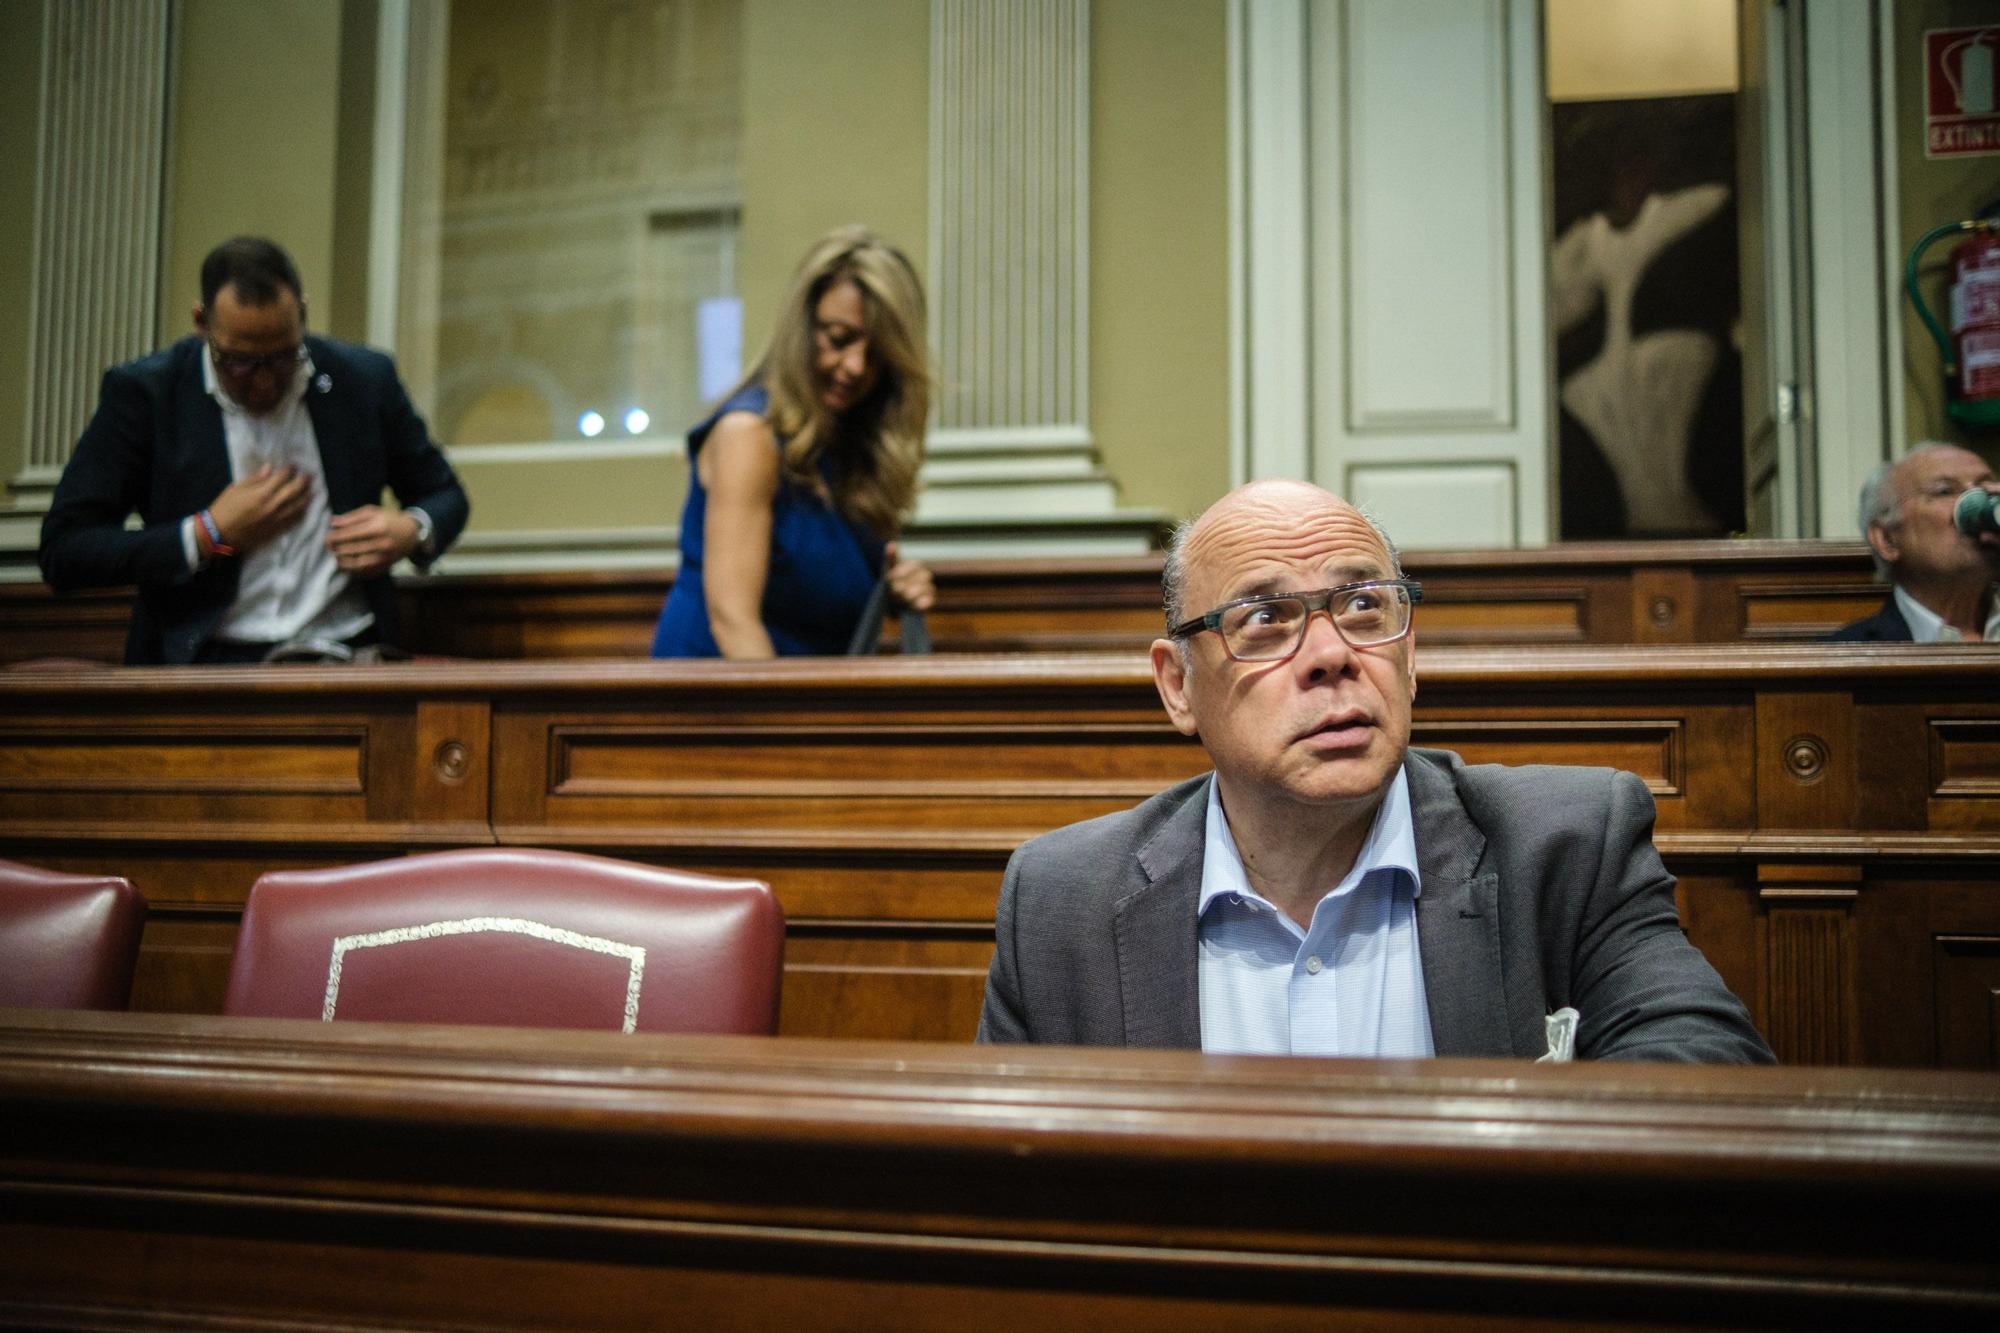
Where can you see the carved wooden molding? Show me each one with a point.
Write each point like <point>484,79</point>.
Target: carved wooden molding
<point>1805,759</point>
<point>1809,980</point>
<point>1965,757</point>
<point>1806,980</point>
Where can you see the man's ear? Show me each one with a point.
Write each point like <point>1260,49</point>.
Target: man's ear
<point>1410,661</point>
<point>1170,679</point>
<point>200,318</point>
<point>1884,543</point>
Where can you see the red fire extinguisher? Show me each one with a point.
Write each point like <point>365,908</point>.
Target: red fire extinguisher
<point>1971,350</point>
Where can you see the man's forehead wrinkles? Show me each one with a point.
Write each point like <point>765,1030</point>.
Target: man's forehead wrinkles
<point>1313,551</point>
<point>1938,464</point>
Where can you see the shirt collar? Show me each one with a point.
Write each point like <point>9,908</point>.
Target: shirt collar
<point>1391,845</point>
<point>1927,626</point>
<point>212,386</point>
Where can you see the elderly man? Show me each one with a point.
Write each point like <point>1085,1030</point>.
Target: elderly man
<point>1328,890</point>
<point>255,456</point>
<point>1941,581</point>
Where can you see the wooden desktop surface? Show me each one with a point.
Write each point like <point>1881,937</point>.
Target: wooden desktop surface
<point>167,1171</point>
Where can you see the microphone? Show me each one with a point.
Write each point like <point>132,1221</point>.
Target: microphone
<point>1977,511</point>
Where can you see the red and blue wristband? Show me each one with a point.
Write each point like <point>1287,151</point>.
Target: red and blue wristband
<point>215,544</point>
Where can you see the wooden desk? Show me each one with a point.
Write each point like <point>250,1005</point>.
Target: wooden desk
<point>166,1171</point>
<point>1584,592</point>
<point>1833,813</point>
<point>1579,592</point>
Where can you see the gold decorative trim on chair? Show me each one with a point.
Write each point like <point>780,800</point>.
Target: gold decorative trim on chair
<point>478,925</point>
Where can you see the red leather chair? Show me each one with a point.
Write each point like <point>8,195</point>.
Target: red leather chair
<point>67,941</point>
<point>513,937</point>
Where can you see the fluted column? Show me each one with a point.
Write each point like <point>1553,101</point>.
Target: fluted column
<point>96,243</point>
<point>1010,222</point>
<point>1009,274</point>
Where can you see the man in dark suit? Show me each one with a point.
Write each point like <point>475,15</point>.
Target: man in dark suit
<point>1942,582</point>
<point>1328,890</point>
<point>255,456</point>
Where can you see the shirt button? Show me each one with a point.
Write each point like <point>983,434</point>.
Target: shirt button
<point>1312,964</point>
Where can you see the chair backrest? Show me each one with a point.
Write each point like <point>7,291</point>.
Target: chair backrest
<point>67,941</point>
<point>512,936</point>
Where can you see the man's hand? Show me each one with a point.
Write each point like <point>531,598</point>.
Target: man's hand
<point>366,541</point>
<point>910,581</point>
<point>250,512</point>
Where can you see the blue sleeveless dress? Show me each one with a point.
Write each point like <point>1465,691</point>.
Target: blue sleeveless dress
<point>821,573</point>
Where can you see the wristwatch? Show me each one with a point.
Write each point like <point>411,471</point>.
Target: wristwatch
<point>426,535</point>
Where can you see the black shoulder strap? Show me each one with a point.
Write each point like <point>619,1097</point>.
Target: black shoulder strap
<point>867,634</point>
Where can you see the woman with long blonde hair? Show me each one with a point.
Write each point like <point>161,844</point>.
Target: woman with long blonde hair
<point>799,482</point>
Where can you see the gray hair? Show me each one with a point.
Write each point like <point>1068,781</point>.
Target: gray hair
<point>1173,571</point>
<point>1881,498</point>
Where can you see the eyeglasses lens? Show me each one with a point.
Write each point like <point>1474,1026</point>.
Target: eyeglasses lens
<point>1269,630</point>
<point>238,363</point>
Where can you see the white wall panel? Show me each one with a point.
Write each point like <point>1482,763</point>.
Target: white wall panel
<point>1432,505</point>
<point>1426,185</point>
<point>1427,264</point>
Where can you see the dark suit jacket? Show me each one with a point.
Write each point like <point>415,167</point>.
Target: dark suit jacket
<point>1541,889</point>
<point>155,447</point>
<point>1885,626</point>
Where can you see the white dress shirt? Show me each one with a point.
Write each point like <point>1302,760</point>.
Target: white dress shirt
<point>1927,626</point>
<point>1351,984</point>
<point>291,587</point>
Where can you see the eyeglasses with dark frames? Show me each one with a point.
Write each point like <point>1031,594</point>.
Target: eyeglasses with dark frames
<point>1271,627</point>
<point>241,363</point>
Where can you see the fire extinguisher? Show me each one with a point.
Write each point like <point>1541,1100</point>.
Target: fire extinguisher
<point>1971,350</point>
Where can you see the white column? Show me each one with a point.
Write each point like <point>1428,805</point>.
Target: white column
<point>1010,226</point>
<point>1270,251</point>
<point>1854,297</point>
<point>98,195</point>
<point>1010,439</point>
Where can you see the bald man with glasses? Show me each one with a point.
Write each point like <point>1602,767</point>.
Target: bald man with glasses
<point>255,455</point>
<point>1328,890</point>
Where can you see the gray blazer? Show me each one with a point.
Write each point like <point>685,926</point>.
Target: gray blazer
<point>1541,889</point>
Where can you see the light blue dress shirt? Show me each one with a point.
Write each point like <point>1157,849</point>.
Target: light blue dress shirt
<point>1352,984</point>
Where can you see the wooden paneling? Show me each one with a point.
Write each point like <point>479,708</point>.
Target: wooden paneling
<point>1968,982</point>
<point>1507,615</point>
<point>1594,592</point>
<point>1807,760</point>
<point>1588,592</point>
<point>1965,760</point>
<point>35,624</point>
<point>883,797</point>
<point>834,972</point>
<point>183,1171</point>
<point>192,782</point>
<point>1809,960</point>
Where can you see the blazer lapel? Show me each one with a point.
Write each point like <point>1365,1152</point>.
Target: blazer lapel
<point>204,470</point>
<point>1458,920</point>
<point>328,411</point>
<point>1158,974</point>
